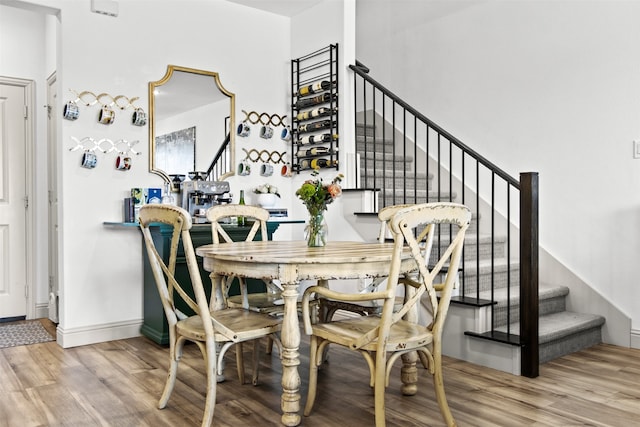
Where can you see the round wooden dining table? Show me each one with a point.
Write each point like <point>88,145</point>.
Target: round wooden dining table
<point>291,262</point>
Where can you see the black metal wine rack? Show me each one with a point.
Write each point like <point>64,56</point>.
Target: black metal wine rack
<point>314,110</point>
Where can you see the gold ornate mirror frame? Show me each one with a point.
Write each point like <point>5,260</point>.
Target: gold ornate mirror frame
<point>184,101</point>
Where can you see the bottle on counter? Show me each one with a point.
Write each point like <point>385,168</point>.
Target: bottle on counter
<point>241,219</point>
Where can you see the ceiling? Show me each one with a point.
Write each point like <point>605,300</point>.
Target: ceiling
<point>279,7</point>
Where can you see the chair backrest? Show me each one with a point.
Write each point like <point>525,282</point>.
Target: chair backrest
<point>258,215</point>
<point>164,274</point>
<point>384,215</point>
<point>413,228</point>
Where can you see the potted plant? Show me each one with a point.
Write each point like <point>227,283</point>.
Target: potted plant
<point>267,195</point>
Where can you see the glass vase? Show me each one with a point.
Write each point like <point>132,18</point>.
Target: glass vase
<point>315,232</point>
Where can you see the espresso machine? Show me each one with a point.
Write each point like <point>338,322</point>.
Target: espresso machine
<point>199,195</point>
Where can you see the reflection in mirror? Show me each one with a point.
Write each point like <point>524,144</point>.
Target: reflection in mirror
<point>176,151</point>
<point>191,123</point>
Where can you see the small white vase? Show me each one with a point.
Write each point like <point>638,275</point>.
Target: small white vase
<point>267,200</point>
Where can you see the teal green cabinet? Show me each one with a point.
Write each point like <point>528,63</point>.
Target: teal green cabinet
<point>154,325</point>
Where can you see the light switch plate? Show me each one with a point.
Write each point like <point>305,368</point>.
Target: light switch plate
<point>105,7</point>
<point>636,149</point>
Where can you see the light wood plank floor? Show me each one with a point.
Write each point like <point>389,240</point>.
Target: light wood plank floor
<point>118,383</point>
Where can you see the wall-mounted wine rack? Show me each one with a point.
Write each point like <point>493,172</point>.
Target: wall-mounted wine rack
<point>314,110</point>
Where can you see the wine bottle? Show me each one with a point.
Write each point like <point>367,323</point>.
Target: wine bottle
<point>241,219</point>
<point>316,112</point>
<point>321,163</point>
<point>310,127</point>
<point>305,164</point>
<point>305,115</point>
<point>314,87</point>
<point>314,139</point>
<point>317,150</point>
<point>319,99</point>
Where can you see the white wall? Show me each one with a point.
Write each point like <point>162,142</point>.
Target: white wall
<point>547,86</point>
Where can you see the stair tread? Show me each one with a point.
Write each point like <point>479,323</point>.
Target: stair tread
<point>385,156</point>
<point>499,264</point>
<point>371,139</point>
<point>432,193</point>
<point>554,326</point>
<point>389,173</point>
<point>544,292</point>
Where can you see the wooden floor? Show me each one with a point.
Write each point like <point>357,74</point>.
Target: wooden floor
<point>118,383</point>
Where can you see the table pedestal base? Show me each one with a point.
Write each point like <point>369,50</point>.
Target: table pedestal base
<point>290,338</point>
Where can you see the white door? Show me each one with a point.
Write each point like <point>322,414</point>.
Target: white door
<point>13,273</point>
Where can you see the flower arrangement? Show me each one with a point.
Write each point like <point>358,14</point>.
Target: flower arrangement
<point>316,195</point>
<point>266,189</point>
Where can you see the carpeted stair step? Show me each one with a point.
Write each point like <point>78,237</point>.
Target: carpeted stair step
<point>498,273</point>
<point>387,161</point>
<point>407,179</point>
<point>368,129</point>
<point>372,141</point>
<point>472,244</point>
<point>565,332</point>
<point>552,299</point>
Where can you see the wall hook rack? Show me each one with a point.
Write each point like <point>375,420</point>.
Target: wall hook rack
<point>105,145</point>
<point>265,156</point>
<point>264,118</point>
<point>89,99</point>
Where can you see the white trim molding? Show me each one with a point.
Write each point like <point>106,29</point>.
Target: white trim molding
<point>635,338</point>
<point>74,337</point>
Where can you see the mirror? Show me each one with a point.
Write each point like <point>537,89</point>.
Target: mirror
<point>191,123</point>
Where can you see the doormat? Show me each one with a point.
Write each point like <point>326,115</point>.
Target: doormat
<point>23,334</point>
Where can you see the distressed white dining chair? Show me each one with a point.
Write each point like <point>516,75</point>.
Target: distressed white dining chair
<point>214,332</point>
<point>382,339</point>
<point>271,301</point>
<point>329,307</point>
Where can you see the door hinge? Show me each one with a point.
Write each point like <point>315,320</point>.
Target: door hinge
<point>26,112</point>
<point>26,202</point>
<point>26,291</point>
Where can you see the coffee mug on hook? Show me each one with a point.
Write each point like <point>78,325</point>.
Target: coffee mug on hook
<point>244,168</point>
<point>244,129</point>
<point>107,115</point>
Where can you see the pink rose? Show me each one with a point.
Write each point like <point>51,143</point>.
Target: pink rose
<point>334,190</point>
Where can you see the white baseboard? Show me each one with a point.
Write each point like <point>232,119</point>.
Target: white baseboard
<point>635,338</point>
<point>42,311</point>
<point>74,337</point>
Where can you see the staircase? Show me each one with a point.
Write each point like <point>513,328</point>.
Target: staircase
<point>488,274</point>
